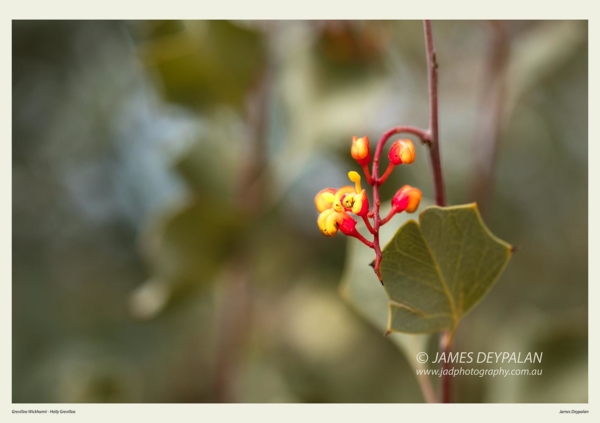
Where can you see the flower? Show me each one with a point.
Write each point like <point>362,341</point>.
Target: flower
<point>360,204</point>
<point>340,195</point>
<point>402,152</point>
<point>333,207</point>
<point>360,150</point>
<point>324,199</point>
<point>406,199</point>
<point>330,222</point>
<point>351,199</point>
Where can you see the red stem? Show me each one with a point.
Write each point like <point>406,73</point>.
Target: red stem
<point>387,173</point>
<point>438,180</point>
<point>368,224</point>
<point>431,138</point>
<point>365,169</point>
<point>424,136</point>
<point>388,217</point>
<point>361,238</point>
<point>434,144</point>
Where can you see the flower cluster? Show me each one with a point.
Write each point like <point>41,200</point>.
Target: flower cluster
<point>336,205</point>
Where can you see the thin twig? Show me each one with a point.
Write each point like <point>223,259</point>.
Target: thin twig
<point>236,314</point>
<point>436,167</point>
<point>446,347</point>
<point>490,120</point>
<point>434,139</point>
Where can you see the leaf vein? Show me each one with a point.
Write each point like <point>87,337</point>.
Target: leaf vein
<point>442,280</point>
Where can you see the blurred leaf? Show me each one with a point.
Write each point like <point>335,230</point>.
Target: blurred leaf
<point>562,339</point>
<point>190,241</point>
<point>540,52</point>
<point>327,104</point>
<point>208,172</point>
<point>362,290</point>
<point>352,47</point>
<point>436,270</point>
<point>185,248</point>
<point>207,63</point>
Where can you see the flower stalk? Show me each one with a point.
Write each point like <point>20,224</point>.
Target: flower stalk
<point>335,208</point>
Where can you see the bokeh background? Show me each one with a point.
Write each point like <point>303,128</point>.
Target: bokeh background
<point>165,246</point>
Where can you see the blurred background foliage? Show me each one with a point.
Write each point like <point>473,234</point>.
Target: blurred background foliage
<point>164,239</point>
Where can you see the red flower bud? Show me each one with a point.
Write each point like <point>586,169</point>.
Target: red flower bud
<point>402,152</point>
<point>406,199</point>
<point>346,224</point>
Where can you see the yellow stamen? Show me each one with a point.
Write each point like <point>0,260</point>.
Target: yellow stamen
<point>348,201</point>
<point>355,177</point>
<point>337,205</point>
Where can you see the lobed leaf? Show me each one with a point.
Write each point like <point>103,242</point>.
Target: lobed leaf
<point>436,270</point>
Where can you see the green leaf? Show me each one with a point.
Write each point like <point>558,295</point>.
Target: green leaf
<point>184,248</point>
<point>201,64</point>
<point>438,269</point>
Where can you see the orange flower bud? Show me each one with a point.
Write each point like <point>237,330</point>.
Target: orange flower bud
<point>324,199</point>
<point>360,150</point>
<point>406,199</point>
<point>402,152</point>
